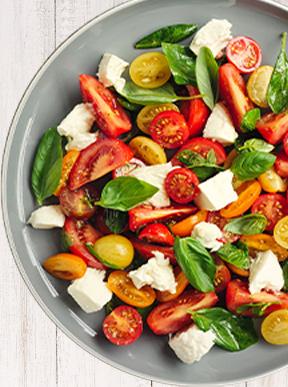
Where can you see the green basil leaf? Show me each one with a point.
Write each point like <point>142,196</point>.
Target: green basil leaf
<point>47,165</point>
<point>232,332</point>
<point>255,144</point>
<point>115,220</point>
<point>237,256</point>
<point>277,94</point>
<point>207,76</point>
<point>169,34</point>
<point>181,62</point>
<point>125,192</point>
<point>132,107</point>
<point>249,165</point>
<point>249,120</point>
<point>257,308</point>
<point>285,274</point>
<point>196,263</point>
<point>247,225</point>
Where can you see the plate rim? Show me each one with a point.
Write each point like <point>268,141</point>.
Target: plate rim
<point>4,164</point>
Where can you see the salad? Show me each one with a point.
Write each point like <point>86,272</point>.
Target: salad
<point>169,183</point>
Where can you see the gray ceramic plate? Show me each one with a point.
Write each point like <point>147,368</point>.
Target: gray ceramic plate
<point>51,95</point>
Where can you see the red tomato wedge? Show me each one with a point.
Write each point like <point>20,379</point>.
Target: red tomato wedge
<point>157,233</point>
<point>281,164</point>
<point>129,167</point>
<point>273,206</point>
<point>233,91</point>
<point>216,218</point>
<point>195,112</point>
<point>222,276</point>
<point>181,185</point>
<point>273,126</point>
<point>78,204</point>
<point>285,143</point>
<point>76,234</point>
<point>98,159</point>
<point>169,129</point>
<point>111,118</point>
<point>237,295</point>
<point>140,216</point>
<point>244,53</point>
<point>123,325</point>
<point>145,250</point>
<point>170,317</point>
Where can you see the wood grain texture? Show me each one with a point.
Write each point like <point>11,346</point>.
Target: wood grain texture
<point>33,353</point>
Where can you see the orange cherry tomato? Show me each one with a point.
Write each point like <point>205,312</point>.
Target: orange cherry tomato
<point>122,286</point>
<point>222,276</point>
<point>238,271</point>
<point>248,192</point>
<point>65,266</point>
<point>67,164</point>
<point>263,242</point>
<point>182,283</point>
<point>185,226</point>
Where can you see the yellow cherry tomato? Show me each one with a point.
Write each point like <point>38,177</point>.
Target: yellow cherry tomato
<point>150,70</point>
<point>257,85</point>
<point>271,182</point>
<point>114,251</point>
<point>264,242</point>
<point>280,232</point>
<point>146,115</point>
<point>65,266</point>
<point>274,328</point>
<point>148,150</point>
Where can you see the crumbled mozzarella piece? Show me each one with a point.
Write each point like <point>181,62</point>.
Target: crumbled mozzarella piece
<point>209,235</point>
<point>47,217</point>
<point>110,71</point>
<point>82,140</point>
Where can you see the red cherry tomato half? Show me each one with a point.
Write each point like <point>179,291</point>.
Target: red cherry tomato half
<point>129,167</point>
<point>79,203</point>
<point>281,164</point>
<point>123,325</point>
<point>195,112</point>
<point>273,206</point>
<point>244,53</point>
<point>273,126</point>
<point>285,143</point>
<point>157,233</point>
<point>169,129</point>
<point>215,218</point>
<point>146,250</point>
<point>181,185</point>
<point>222,276</point>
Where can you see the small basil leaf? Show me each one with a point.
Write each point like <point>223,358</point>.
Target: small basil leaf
<point>285,274</point>
<point>232,254</point>
<point>47,165</point>
<point>232,332</point>
<point>247,225</point>
<point>249,165</point>
<point>132,107</point>
<point>257,308</point>
<point>196,263</point>
<point>249,120</point>
<point>207,76</point>
<point>125,192</point>
<point>115,220</point>
<point>255,144</point>
<point>170,34</point>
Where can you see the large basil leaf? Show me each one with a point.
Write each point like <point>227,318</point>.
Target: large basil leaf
<point>125,192</point>
<point>207,76</point>
<point>277,94</point>
<point>239,257</point>
<point>247,225</point>
<point>285,274</point>
<point>255,144</point>
<point>181,62</point>
<point>170,34</point>
<point>249,165</point>
<point>232,332</point>
<point>115,220</point>
<point>47,165</point>
<point>249,120</point>
<point>196,263</point>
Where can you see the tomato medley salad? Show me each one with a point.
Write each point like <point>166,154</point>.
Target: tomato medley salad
<point>171,178</point>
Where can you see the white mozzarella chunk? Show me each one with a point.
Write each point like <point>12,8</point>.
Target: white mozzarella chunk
<point>90,291</point>
<point>81,141</point>
<point>111,69</point>
<point>209,235</point>
<point>47,217</point>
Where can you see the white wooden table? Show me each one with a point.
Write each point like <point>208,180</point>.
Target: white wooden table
<point>33,352</point>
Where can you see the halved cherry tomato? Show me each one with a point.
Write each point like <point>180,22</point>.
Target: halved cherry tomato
<point>182,283</point>
<point>171,316</point>
<point>185,226</point>
<point>111,118</point>
<point>122,286</point>
<point>65,266</point>
<point>248,192</point>
<point>280,232</point>
<point>244,53</point>
<point>129,167</point>
<point>233,91</point>
<point>195,112</point>
<point>169,129</point>
<point>216,218</point>
<point>157,233</point>
<point>238,271</point>
<point>281,164</point>
<point>273,126</point>
<point>274,328</point>
<point>273,206</point>
<point>230,158</point>
<point>97,160</point>
<point>148,150</point>
<point>237,295</point>
<point>140,216</point>
<point>98,222</point>
<point>146,250</point>
<point>123,325</point>
<point>285,143</point>
<point>271,182</point>
<point>181,185</point>
<point>67,164</point>
<point>222,276</point>
<point>264,242</point>
<point>149,112</point>
<point>76,234</point>
<point>257,85</point>
<point>79,203</point>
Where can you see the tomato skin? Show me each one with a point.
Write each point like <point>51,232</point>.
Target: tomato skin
<point>111,118</point>
<point>285,143</point>
<point>195,112</point>
<point>273,127</point>
<point>157,233</point>
<point>78,203</point>
<point>237,294</point>
<point>123,325</point>
<point>274,328</point>
<point>65,266</point>
<point>244,53</point>
<point>181,185</point>
<point>185,226</point>
<point>146,250</point>
<point>98,159</point>
<point>67,164</point>
<point>233,91</point>
<point>215,217</point>
<point>222,276</point>
<point>170,317</point>
<point>169,129</point>
<point>281,164</point>
<point>126,169</point>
